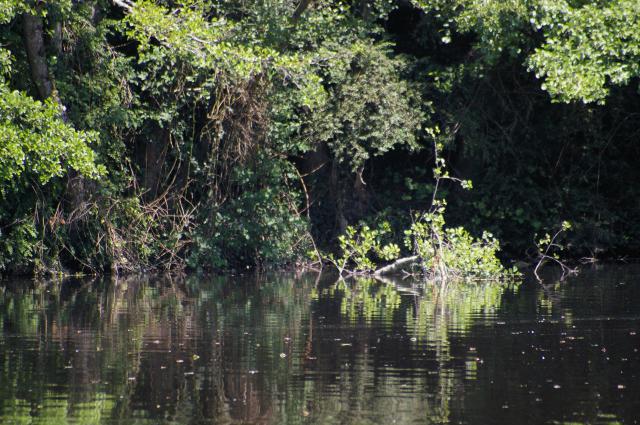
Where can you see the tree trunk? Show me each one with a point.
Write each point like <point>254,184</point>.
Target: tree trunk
<point>154,158</point>
<point>302,6</point>
<point>33,33</point>
<point>361,199</point>
<point>56,37</point>
<point>338,196</point>
<point>34,40</point>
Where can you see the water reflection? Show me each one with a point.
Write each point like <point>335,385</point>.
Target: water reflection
<point>286,349</point>
<point>415,372</point>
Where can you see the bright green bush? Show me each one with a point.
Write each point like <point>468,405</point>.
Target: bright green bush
<point>37,142</point>
<point>453,253</point>
<point>363,247</point>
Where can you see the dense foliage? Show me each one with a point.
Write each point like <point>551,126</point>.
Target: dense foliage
<point>150,134</point>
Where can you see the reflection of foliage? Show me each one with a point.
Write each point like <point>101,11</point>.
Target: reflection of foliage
<point>280,350</point>
<point>92,336</point>
<point>366,299</point>
<point>121,349</point>
<point>56,411</point>
<point>443,310</point>
<point>456,306</point>
<point>435,308</point>
<point>431,314</point>
<point>451,306</point>
<point>453,253</point>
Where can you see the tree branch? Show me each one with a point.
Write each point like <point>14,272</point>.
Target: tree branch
<point>125,4</point>
<point>396,265</point>
<point>302,6</point>
<point>33,32</point>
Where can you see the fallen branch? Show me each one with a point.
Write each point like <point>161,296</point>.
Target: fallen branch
<point>125,4</point>
<point>390,268</point>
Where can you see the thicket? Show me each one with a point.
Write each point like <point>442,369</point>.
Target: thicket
<point>150,134</point>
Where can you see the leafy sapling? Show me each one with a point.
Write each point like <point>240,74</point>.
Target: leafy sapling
<point>549,249</point>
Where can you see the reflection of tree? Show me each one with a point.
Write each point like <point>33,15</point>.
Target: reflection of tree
<point>284,351</point>
<point>54,410</point>
<point>82,339</point>
<point>417,322</point>
<point>168,351</point>
<point>441,310</point>
<point>365,299</point>
<point>445,310</point>
<point>190,350</point>
<point>75,349</point>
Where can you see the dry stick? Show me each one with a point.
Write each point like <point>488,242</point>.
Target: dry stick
<point>307,210</point>
<point>565,269</point>
<point>314,170</point>
<point>378,273</point>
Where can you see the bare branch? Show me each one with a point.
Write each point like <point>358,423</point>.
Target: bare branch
<point>396,265</point>
<point>125,4</point>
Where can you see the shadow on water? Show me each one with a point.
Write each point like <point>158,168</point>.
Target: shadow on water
<point>284,349</point>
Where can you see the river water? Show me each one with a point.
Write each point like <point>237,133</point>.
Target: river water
<point>286,350</point>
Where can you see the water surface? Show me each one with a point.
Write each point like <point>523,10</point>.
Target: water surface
<point>288,350</point>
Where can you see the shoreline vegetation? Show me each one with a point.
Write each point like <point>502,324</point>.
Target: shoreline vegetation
<point>162,136</point>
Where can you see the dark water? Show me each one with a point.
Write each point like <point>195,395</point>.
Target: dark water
<point>284,350</point>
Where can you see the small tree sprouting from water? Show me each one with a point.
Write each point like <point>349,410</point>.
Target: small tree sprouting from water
<point>549,249</point>
<point>437,252</point>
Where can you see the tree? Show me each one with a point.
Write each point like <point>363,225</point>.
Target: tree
<point>581,48</point>
<point>36,140</point>
<point>587,48</point>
